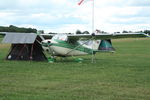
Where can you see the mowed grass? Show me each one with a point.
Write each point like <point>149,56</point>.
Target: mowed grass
<point>124,75</point>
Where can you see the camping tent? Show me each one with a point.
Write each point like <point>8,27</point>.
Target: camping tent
<point>106,46</point>
<point>24,46</point>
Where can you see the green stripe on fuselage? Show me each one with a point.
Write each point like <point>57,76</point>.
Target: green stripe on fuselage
<point>76,46</point>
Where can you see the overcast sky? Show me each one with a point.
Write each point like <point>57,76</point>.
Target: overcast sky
<point>68,16</point>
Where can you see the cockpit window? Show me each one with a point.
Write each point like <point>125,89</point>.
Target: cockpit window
<point>62,37</point>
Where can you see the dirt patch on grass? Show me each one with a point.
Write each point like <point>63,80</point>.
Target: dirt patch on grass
<point>4,46</point>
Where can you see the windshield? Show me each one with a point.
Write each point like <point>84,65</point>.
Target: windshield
<point>62,37</point>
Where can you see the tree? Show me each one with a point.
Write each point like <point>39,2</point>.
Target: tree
<point>85,32</point>
<point>78,32</point>
<point>125,31</point>
<point>147,32</point>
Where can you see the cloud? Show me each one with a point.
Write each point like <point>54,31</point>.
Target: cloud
<point>63,15</point>
<point>141,3</point>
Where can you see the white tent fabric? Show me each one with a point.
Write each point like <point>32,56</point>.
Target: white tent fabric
<point>20,38</point>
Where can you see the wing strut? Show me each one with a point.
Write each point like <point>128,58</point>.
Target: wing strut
<point>77,47</point>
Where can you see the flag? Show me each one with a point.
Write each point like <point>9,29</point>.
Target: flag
<point>80,2</point>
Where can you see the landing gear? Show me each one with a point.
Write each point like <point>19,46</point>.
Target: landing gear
<point>51,59</point>
<point>79,60</point>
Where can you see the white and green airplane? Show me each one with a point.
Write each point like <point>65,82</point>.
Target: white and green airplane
<point>65,45</point>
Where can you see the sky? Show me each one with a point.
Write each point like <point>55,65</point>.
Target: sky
<point>66,16</point>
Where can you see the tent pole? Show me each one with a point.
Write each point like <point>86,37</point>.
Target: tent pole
<point>31,52</point>
<point>21,51</point>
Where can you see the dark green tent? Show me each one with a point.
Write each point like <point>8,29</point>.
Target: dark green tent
<point>106,45</point>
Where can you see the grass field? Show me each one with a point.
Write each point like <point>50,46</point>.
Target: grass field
<point>124,75</point>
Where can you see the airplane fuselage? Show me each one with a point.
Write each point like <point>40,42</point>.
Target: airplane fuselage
<point>64,48</point>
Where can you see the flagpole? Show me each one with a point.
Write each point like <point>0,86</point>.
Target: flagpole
<point>93,17</point>
<point>92,31</point>
<point>92,27</point>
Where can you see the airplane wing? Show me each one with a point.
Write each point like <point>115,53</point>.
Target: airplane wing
<point>107,36</point>
<point>47,36</point>
<point>95,36</point>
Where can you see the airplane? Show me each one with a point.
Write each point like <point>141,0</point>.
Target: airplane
<point>64,45</point>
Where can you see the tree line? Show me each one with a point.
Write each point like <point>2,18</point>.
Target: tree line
<point>13,28</point>
<point>124,31</point>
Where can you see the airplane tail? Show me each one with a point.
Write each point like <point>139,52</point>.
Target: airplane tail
<point>99,45</point>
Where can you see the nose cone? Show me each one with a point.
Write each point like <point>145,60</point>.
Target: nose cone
<point>46,43</point>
